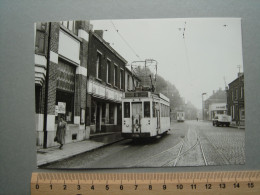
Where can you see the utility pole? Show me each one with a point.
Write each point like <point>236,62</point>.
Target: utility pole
<point>45,132</point>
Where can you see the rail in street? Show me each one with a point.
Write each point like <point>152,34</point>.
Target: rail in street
<point>190,143</point>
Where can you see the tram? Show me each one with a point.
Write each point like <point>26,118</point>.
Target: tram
<point>180,116</point>
<point>145,114</point>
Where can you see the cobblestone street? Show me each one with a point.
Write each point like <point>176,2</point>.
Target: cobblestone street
<point>191,143</point>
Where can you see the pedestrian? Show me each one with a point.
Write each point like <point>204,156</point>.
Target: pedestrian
<point>197,119</point>
<point>61,131</point>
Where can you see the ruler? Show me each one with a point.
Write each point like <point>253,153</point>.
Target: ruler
<point>228,182</point>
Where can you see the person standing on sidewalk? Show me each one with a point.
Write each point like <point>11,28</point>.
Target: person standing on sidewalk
<point>61,131</point>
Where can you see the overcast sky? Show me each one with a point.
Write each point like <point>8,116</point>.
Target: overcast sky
<point>196,62</point>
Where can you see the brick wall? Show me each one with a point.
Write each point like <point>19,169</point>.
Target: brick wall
<point>94,45</point>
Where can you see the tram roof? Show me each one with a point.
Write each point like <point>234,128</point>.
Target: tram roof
<point>144,94</point>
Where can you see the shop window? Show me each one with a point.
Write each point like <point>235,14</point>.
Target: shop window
<point>74,136</point>
<point>111,114</point>
<point>147,109</point>
<point>38,98</point>
<point>126,109</point>
<point>103,113</point>
<point>119,114</point>
<point>93,113</point>
<point>66,99</point>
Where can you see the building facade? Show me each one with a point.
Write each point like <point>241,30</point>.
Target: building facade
<point>61,55</point>
<point>236,100</point>
<point>106,85</point>
<point>131,81</point>
<point>78,75</point>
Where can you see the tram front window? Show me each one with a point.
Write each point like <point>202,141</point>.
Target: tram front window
<point>147,109</point>
<point>126,109</point>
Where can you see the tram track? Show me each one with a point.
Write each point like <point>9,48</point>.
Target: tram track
<point>178,151</point>
<point>158,154</point>
<point>181,154</point>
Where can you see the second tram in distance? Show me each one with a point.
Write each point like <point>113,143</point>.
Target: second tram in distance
<point>145,114</point>
<point>180,116</point>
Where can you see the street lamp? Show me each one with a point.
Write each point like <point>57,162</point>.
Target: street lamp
<point>202,105</point>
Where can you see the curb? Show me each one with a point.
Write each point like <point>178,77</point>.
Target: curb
<point>93,149</point>
<point>102,134</point>
<point>237,127</point>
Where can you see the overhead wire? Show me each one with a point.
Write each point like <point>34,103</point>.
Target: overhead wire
<point>121,36</point>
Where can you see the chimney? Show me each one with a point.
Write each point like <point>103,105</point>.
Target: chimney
<point>99,33</point>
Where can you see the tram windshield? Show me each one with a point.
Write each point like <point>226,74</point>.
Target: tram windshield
<point>126,109</point>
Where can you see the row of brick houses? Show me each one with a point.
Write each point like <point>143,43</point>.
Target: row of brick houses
<point>230,101</point>
<point>236,100</point>
<point>78,75</point>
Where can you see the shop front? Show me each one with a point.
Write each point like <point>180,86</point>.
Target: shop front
<point>105,108</point>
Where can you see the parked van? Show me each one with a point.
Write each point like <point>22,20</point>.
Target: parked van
<point>221,120</point>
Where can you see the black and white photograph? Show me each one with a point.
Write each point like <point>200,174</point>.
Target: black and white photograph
<point>136,93</point>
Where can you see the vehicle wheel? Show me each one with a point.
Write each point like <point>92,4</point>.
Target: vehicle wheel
<point>227,125</point>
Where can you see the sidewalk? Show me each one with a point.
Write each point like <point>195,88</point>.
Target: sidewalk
<point>234,125</point>
<point>52,154</point>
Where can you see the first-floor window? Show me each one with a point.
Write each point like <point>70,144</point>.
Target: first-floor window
<point>115,75</point>
<point>108,71</point>
<point>98,65</point>
<point>121,78</point>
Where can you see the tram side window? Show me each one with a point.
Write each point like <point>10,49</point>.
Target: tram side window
<point>126,109</point>
<point>147,109</point>
<point>163,110</point>
<point>154,110</point>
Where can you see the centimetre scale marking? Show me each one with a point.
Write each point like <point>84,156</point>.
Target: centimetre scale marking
<point>231,182</point>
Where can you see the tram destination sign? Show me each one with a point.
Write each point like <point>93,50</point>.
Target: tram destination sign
<point>137,94</point>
